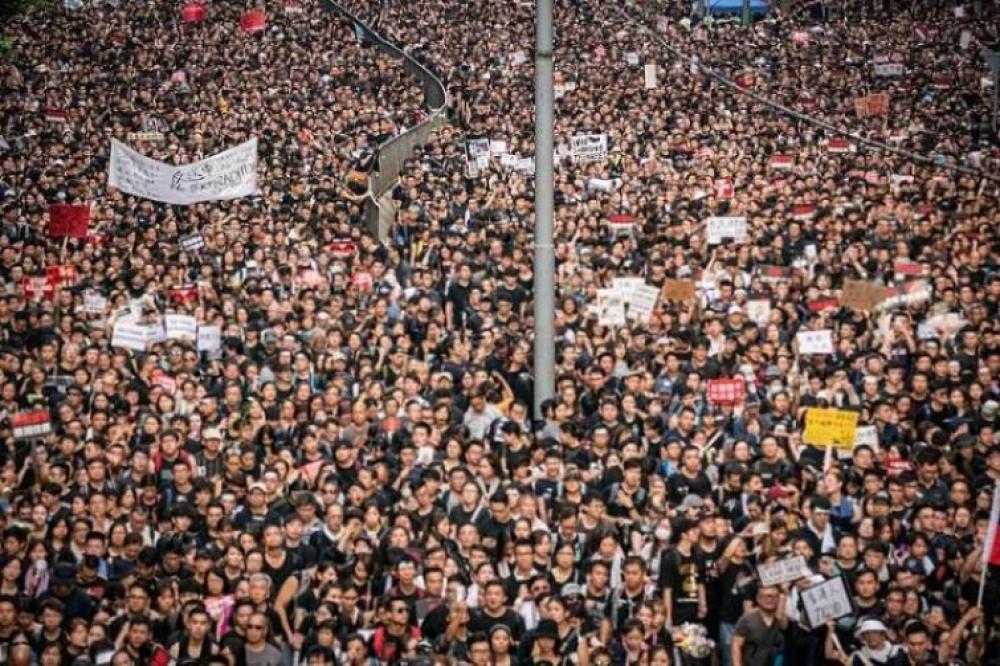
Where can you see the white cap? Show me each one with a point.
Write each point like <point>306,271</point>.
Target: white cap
<point>870,625</point>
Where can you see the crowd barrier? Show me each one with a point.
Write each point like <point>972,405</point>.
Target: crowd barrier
<point>392,154</point>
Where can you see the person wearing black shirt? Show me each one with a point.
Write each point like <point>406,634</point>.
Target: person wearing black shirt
<point>494,611</point>
<point>682,577</point>
<point>689,479</point>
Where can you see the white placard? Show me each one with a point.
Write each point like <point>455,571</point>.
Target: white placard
<point>815,342</point>
<point>94,303</point>
<point>867,435</point>
<point>589,147</point>
<point>526,164</point>
<point>518,58</point>
<point>627,286</point>
<point>498,147</point>
<point>783,571</point>
<point>128,335</point>
<point>718,229</point>
<point>179,326</point>
<point>827,601</point>
<point>759,311</point>
<point>230,174</point>
<point>649,76</point>
<point>209,338</point>
<point>192,242</point>
<point>477,147</point>
<point>889,69</point>
<point>508,161</point>
<point>965,39</point>
<point>643,303</point>
<point>632,58</point>
<point>611,307</point>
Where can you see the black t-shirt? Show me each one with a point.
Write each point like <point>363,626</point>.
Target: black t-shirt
<point>681,574</point>
<point>482,622</point>
<point>680,485</point>
<point>736,584</point>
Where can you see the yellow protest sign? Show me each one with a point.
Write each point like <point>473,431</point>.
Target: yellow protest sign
<point>830,427</point>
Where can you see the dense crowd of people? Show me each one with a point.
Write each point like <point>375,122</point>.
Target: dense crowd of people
<point>357,475</point>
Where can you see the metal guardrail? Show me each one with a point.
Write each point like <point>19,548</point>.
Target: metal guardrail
<point>391,155</point>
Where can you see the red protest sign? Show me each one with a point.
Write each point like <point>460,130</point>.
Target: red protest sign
<point>726,391</point>
<point>838,145</point>
<point>59,274</point>
<point>193,13</point>
<point>31,425</point>
<point>184,295</point>
<point>253,21</point>
<point>361,281</point>
<point>342,248</point>
<point>37,289</point>
<point>804,211</point>
<point>67,220</point>
<point>781,162</point>
<point>724,188</point>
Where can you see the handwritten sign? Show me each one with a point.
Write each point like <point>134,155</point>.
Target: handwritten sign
<point>830,427</point>
<point>815,342</point>
<point>827,601</point>
<point>783,571</point>
<point>589,147</point>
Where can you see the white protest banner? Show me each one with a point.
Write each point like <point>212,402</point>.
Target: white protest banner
<point>827,601</point>
<point>498,147</point>
<point>867,435</point>
<point>192,242</point>
<point>94,303</point>
<point>589,147</point>
<point>627,286</point>
<point>611,307</point>
<point>783,571</point>
<point>718,229</point>
<point>889,69</point>
<point>649,76</point>
<point>815,342</point>
<point>129,335</point>
<point>759,311</point>
<point>643,303</point>
<point>209,338</point>
<point>180,326</point>
<point>230,174</point>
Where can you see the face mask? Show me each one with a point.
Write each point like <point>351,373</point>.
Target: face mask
<point>662,533</point>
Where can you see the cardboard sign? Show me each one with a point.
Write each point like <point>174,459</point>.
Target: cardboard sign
<point>815,342</point>
<point>253,21</point>
<point>827,601</point>
<point>862,296</point>
<point>589,147</point>
<point>180,327</point>
<point>725,391</point>
<point>68,221</point>
<point>33,424</point>
<point>649,76</point>
<point>876,104</point>
<point>830,427</point>
<point>722,229</point>
<point>682,291</point>
<point>783,571</point>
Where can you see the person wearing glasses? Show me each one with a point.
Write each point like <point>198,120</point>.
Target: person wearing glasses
<point>257,651</point>
<point>395,634</point>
